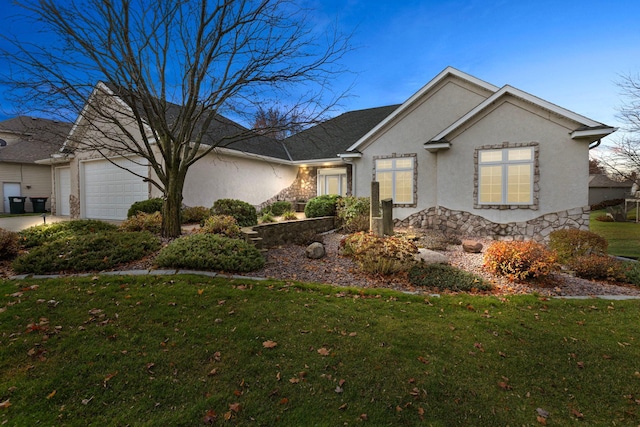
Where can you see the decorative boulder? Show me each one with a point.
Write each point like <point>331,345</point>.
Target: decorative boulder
<point>315,250</point>
<point>431,257</point>
<point>471,246</point>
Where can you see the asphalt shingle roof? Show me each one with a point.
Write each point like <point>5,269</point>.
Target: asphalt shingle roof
<point>38,139</point>
<point>328,139</point>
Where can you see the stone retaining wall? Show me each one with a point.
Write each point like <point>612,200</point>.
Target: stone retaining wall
<point>468,224</point>
<point>279,233</point>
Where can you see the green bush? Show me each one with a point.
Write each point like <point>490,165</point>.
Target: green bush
<point>88,252</point>
<point>446,277</point>
<point>243,212</point>
<point>289,216</point>
<point>211,252</point>
<point>379,255</point>
<point>151,222</point>
<point>632,272</point>
<point>224,225</point>
<point>194,214</point>
<point>353,213</point>
<point>278,208</point>
<point>519,260</point>
<point>570,243</point>
<point>39,234</point>
<point>266,218</point>
<point>598,267</point>
<point>9,244</point>
<point>321,206</point>
<point>147,206</point>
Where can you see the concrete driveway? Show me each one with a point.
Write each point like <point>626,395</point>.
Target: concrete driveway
<point>17,223</point>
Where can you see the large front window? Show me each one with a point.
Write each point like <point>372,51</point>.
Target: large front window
<point>396,176</point>
<point>505,176</point>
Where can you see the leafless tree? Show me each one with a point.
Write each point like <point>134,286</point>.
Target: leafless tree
<point>180,67</point>
<point>278,123</point>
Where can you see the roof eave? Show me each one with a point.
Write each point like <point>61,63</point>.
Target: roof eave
<point>592,134</point>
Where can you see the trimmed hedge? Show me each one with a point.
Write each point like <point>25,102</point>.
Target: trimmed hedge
<point>243,212</point>
<point>325,205</point>
<point>278,208</point>
<point>9,244</point>
<point>570,243</point>
<point>88,252</point>
<point>147,206</point>
<point>446,277</point>
<point>211,252</point>
<point>39,234</point>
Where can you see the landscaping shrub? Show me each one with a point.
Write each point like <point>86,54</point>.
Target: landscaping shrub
<point>598,267</point>
<point>9,244</point>
<point>267,218</point>
<point>289,216</point>
<point>90,251</point>
<point>142,221</point>
<point>446,277</point>
<point>194,214</point>
<point>519,260</point>
<point>570,243</point>
<point>353,213</point>
<point>632,273</point>
<point>278,208</point>
<point>321,206</point>
<point>379,255</point>
<point>147,206</point>
<point>211,252</point>
<point>39,234</point>
<point>243,212</point>
<point>224,225</point>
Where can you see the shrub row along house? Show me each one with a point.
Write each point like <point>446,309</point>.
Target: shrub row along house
<point>460,154</point>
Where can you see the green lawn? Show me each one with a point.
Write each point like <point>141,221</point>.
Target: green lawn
<point>623,237</point>
<point>187,350</point>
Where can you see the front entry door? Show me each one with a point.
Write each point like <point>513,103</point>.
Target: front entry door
<point>10,189</point>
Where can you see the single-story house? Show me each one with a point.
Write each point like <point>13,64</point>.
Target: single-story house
<point>23,141</point>
<point>461,155</point>
<point>602,188</point>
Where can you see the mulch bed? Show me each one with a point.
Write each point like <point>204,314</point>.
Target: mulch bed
<point>288,262</point>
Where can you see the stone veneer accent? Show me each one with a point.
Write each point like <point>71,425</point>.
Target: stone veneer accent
<point>305,186</point>
<point>468,224</point>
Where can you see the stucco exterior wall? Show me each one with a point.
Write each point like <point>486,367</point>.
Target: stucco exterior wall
<point>406,135</point>
<point>218,176</point>
<point>563,165</point>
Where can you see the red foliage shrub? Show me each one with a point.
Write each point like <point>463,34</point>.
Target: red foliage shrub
<point>519,260</point>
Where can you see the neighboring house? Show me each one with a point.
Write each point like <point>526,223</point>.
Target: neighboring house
<point>602,188</point>
<point>23,140</point>
<point>460,155</point>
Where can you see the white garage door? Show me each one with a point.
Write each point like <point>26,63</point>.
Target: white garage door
<point>63,190</point>
<point>108,191</point>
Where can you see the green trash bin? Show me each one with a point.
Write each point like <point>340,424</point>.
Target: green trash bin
<point>38,204</point>
<point>16,204</point>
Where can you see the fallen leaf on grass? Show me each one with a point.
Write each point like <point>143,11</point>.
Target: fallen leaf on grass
<point>108,378</point>
<point>210,417</point>
<point>50,395</point>
<point>283,401</point>
<point>423,360</point>
<point>294,380</point>
<point>235,407</point>
<point>577,413</point>
<point>364,417</point>
<point>5,404</point>
<point>343,406</point>
<point>323,351</point>
<point>339,389</point>
<point>200,291</point>
<point>542,420</point>
<point>269,344</point>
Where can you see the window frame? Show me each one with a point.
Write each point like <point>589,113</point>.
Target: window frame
<point>504,164</point>
<point>413,169</point>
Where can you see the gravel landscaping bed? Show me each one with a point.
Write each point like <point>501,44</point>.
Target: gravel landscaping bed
<point>288,262</point>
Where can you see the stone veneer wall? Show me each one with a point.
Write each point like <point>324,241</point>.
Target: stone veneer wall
<point>304,187</point>
<point>468,224</point>
<point>279,233</point>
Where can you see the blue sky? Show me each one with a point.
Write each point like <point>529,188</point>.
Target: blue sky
<point>568,52</point>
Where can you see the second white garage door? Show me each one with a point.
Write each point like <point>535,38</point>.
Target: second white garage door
<point>108,191</point>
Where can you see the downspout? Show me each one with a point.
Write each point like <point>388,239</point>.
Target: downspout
<point>598,142</point>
